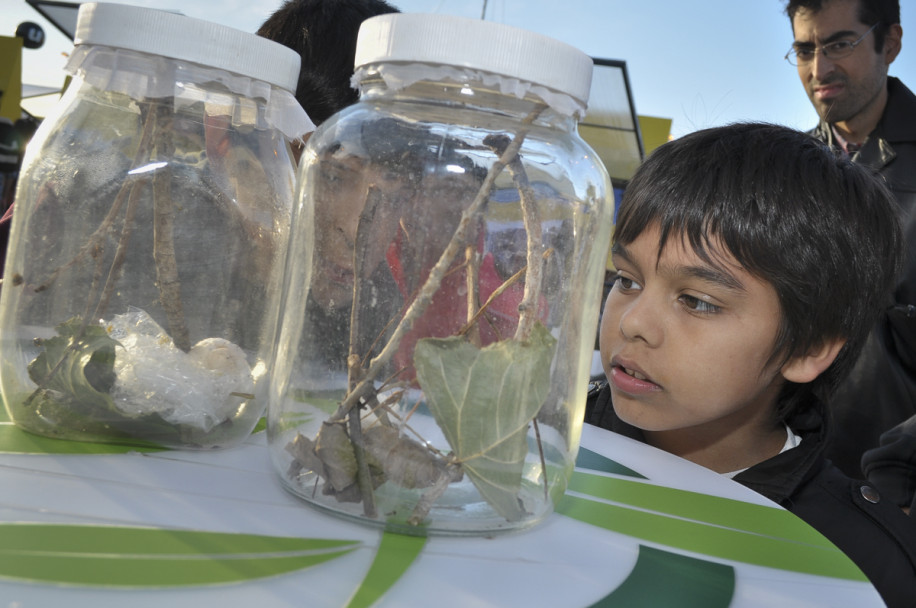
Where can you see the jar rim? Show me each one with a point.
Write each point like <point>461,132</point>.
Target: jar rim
<point>398,76</point>
<point>473,44</point>
<point>177,36</point>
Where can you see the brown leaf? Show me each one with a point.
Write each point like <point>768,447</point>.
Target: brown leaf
<point>333,449</point>
<point>403,460</point>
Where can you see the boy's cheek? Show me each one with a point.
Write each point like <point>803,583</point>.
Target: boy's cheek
<point>607,334</point>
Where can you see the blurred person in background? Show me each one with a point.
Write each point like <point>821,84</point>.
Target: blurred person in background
<point>843,50</point>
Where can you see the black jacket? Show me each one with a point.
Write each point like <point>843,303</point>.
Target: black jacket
<point>872,531</point>
<point>892,465</point>
<point>880,393</point>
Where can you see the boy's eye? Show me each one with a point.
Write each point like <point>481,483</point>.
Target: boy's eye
<point>697,305</point>
<point>626,284</point>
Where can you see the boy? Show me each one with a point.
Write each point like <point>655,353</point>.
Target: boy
<point>752,262</point>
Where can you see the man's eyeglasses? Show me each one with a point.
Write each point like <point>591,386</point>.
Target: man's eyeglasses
<point>804,53</point>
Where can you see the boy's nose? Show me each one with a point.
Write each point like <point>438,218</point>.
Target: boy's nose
<point>641,321</point>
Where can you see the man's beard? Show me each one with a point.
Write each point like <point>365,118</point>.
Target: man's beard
<point>853,101</point>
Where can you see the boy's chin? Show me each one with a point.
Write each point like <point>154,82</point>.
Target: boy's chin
<point>629,411</point>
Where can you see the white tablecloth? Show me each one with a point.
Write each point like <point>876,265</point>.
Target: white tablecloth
<point>653,525</point>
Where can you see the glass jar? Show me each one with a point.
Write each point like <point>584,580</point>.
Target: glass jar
<point>150,227</point>
<point>443,284</point>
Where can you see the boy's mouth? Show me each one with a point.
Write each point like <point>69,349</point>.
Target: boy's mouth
<point>633,373</point>
<point>630,368</point>
<point>627,377</point>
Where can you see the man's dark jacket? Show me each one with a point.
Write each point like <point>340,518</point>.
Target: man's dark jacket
<point>892,465</point>
<point>873,532</point>
<point>880,393</point>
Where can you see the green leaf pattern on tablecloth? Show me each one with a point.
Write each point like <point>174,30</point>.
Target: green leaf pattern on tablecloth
<point>688,582</point>
<point>14,440</point>
<point>594,461</point>
<point>130,557</point>
<point>394,556</point>
<point>608,496</point>
<point>726,530</point>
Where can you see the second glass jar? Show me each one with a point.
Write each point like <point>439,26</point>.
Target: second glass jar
<point>443,284</point>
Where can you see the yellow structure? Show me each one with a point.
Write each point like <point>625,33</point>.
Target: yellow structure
<point>10,77</point>
<point>655,131</point>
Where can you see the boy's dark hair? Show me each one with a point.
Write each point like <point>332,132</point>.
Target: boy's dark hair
<point>823,231</point>
<point>883,12</point>
<point>323,32</point>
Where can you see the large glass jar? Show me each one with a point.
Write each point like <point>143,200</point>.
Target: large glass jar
<point>150,227</point>
<point>443,284</point>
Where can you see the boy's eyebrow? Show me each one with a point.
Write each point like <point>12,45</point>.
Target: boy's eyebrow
<point>618,250</point>
<point>705,273</point>
<point>711,274</point>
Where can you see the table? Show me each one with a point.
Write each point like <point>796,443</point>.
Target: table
<point>106,526</point>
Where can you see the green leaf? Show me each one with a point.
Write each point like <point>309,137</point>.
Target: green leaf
<point>109,556</point>
<point>483,400</point>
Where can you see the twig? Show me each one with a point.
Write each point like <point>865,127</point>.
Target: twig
<point>164,243</point>
<point>121,253</point>
<point>363,480</point>
<point>354,364</point>
<point>381,408</point>
<point>429,496</point>
<point>98,254</point>
<point>498,292</point>
<point>537,435</point>
<point>471,275</point>
<point>528,307</point>
<point>366,217</point>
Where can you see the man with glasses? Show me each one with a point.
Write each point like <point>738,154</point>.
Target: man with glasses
<point>842,50</point>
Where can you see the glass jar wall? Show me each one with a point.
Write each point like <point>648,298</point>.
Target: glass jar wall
<point>150,226</point>
<point>443,283</point>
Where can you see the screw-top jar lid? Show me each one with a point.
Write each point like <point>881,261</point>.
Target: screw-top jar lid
<point>475,44</point>
<point>179,37</point>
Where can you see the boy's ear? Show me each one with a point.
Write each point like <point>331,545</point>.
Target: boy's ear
<point>806,368</point>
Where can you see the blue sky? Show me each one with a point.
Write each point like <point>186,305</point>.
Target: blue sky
<point>701,63</point>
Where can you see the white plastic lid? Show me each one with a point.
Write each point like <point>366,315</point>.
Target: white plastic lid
<point>179,37</point>
<point>478,45</point>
